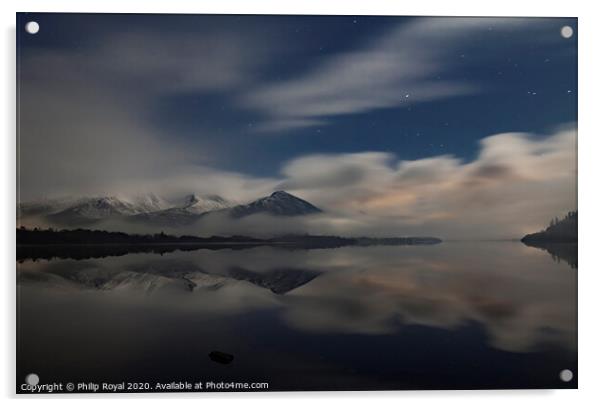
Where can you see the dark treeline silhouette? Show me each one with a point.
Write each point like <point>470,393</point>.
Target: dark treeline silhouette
<point>559,239</point>
<point>559,231</point>
<point>86,236</point>
<point>83,243</point>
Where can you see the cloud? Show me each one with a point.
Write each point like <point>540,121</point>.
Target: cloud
<point>403,66</point>
<point>335,171</point>
<point>86,127</point>
<point>516,185</point>
<point>86,116</point>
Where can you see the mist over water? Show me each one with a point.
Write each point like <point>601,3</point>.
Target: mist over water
<point>454,315</point>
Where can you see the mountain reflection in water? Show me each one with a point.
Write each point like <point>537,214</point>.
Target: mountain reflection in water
<point>455,315</point>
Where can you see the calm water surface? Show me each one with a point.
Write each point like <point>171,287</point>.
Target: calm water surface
<point>454,315</point>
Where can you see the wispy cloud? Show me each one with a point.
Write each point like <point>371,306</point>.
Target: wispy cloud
<point>87,127</point>
<point>86,115</point>
<point>404,66</point>
<point>516,184</point>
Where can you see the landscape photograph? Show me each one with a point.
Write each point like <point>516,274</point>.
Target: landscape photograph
<point>295,203</point>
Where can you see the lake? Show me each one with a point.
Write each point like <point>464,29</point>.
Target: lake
<point>466,315</point>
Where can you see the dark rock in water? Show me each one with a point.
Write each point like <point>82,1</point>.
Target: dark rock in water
<point>221,357</point>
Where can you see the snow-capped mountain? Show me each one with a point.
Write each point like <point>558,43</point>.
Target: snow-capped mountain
<point>280,203</point>
<point>149,203</point>
<point>200,204</point>
<point>191,209</point>
<point>154,211</point>
<point>94,209</point>
<point>96,206</point>
<point>45,206</point>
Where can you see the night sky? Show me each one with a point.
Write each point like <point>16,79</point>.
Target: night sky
<point>128,97</point>
<point>525,79</point>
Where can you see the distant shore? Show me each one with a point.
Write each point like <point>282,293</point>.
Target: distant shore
<point>83,243</point>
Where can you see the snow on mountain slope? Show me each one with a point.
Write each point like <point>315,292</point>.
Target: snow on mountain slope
<point>93,209</point>
<point>199,204</point>
<point>280,203</point>
<point>155,211</point>
<point>149,203</point>
<point>45,206</point>
<point>189,212</point>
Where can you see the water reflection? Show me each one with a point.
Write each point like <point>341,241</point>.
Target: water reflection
<point>279,311</point>
<point>566,252</point>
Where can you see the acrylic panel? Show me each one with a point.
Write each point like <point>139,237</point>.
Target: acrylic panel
<point>292,203</point>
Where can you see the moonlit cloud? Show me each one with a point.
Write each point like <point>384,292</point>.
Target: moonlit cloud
<point>86,116</point>
<point>400,68</point>
<point>516,184</point>
<point>87,126</point>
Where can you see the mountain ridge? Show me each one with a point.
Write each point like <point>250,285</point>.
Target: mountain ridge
<point>154,211</point>
<point>279,203</point>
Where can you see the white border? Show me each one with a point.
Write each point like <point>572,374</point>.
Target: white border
<point>590,149</point>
